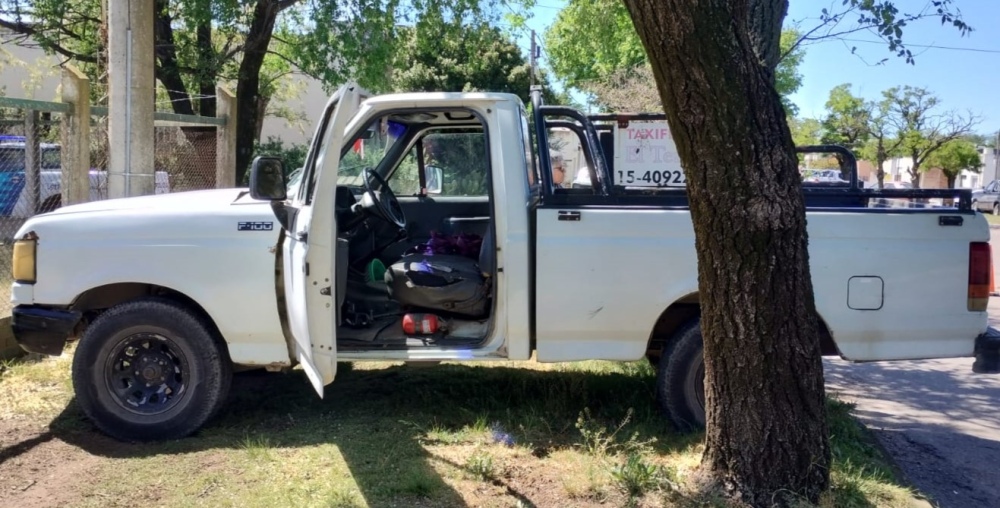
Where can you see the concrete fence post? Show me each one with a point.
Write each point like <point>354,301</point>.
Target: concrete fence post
<point>131,98</point>
<point>75,137</point>
<point>32,161</point>
<point>225,139</point>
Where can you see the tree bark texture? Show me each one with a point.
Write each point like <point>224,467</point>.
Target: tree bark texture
<point>766,434</point>
<point>198,173</point>
<point>248,89</point>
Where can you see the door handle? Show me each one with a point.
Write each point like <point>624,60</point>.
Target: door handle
<point>567,215</point>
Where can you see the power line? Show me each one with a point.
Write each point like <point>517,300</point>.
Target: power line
<point>928,46</point>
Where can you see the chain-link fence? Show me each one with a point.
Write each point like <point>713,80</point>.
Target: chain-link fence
<point>29,178</point>
<point>31,163</point>
<point>184,158</point>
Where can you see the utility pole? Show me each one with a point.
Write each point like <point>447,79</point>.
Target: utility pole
<point>996,159</point>
<point>131,101</point>
<point>534,48</point>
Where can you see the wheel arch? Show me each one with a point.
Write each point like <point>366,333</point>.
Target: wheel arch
<point>98,299</point>
<point>688,307</point>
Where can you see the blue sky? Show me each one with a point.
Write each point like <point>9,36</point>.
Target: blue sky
<point>963,79</point>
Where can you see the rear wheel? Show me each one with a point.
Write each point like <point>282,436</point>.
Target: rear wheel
<point>150,369</point>
<point>996,208</point>
<point>680,382</point>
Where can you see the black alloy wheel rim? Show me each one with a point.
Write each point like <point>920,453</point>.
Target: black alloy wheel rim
<point>146,374</point>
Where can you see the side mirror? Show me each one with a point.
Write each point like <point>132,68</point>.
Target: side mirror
<point>267,179</point>
<point>433,176</point>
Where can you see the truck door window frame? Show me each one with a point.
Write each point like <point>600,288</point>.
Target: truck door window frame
<point>415,134</point>
<point>600,186</point>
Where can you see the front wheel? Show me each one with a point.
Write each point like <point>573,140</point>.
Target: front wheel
<point>150,369</point>
<point>680,380</point>
<point>996,208</point>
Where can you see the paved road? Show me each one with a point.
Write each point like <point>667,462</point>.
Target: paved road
<point>940,421</point>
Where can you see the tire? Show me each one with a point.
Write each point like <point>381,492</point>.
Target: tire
<point>975,205</point>
<point>996,208</point>
<point>177,352</point>
<point>680,380</point>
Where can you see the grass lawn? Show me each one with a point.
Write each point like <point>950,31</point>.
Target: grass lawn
<point>992,219</point>
<point>491,435</point>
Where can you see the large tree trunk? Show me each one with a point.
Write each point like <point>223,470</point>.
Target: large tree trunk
<point>197,171</point>
<point>915,170</point>
<point>766,434</point>
<point>880,158</point>
<point>248,89</point>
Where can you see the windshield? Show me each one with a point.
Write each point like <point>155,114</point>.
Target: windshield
<point>369,150</point>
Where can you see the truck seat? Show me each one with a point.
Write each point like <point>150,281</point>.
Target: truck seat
<point>446,283</point>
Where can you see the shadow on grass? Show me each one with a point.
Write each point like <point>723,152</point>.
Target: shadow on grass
<point>380,420</point>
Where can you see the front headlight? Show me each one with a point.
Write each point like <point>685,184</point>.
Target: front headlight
<point>24,259</point>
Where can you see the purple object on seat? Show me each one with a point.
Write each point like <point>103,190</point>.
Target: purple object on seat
<point>465,244</point>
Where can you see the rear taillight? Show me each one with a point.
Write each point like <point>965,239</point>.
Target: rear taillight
<point>980,275</point>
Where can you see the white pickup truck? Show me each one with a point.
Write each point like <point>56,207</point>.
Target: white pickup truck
<point>169,294</point>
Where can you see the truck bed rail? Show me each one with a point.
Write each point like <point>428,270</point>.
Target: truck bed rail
<point>849,194</point>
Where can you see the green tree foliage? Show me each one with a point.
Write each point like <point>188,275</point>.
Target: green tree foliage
<point>452,57</point>
<point>250,43</point>
<point>920,125</point>
<point>805,131</point>
<point>883,141</point>
<point>954,157</point>
<point>847,119</point>
<point>590,40</point>
<point>593,46</point>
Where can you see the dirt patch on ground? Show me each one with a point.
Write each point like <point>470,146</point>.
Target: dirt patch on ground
<point>38,469</point>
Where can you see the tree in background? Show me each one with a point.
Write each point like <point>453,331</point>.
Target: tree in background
<point>714,64</point>
<point>251,43</point>
<point>847,118</point>
<point>593,46</point>
<point>954,157</point>
<point>805,131</point>
<point>883,141</point>
<point>452,57</point>
<point>630,89</point>
<point>921,128</point>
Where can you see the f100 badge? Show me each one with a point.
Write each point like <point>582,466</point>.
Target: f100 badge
<point>255,226</point>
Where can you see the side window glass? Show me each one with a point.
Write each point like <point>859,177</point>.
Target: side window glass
<point>405,181</point>
<point>456,163</point>
<point>570,169</point>
<point>51,158</point>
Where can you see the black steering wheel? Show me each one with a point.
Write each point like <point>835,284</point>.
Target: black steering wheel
<point>383,201</point>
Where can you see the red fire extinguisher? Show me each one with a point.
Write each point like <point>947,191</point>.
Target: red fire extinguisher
<point>422,324</point>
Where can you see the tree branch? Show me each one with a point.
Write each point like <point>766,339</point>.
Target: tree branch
<point>284,4</point>
<point>26,32</point>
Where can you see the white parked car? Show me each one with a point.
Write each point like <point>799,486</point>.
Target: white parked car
<point>168,293</point>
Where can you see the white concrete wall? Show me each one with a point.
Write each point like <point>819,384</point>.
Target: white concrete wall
<point>27,73</point>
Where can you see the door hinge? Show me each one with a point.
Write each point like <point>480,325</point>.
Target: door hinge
<point>325,291</point>
<point>305,268</point>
